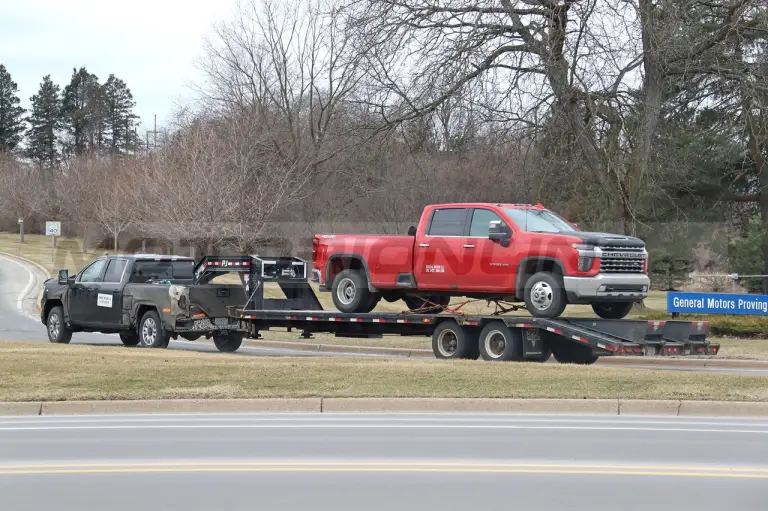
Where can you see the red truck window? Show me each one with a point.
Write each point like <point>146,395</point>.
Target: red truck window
<point>480,220</point>
<point>448,222</point>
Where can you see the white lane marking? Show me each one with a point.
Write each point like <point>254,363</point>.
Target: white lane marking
<point>27,289</point>
<point>382,426</point>
<point>333,418</point>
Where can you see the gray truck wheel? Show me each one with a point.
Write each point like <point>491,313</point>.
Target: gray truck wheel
<point>498,342</point>
<point>350,292</point>
<point>545,295</point>
<point>57,330</point>
<point>228,343</point>
<point>612,310</point>
<point>129,338</point>
<point>151,331</point>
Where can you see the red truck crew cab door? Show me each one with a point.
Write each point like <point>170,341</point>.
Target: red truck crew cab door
<point>439,256</point>
<point>493,266</point>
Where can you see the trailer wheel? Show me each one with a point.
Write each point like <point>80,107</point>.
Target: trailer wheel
<point>451,341</point>
<point>498,342</point>
<point>57,330</point>
<point>545,295</point>
<point>546,354</point>
<point>228,343</point>
<point>612,310</point>
<point>567,352</point>
<point>129,338</point>
<point>350,292</point>
<point>151,331</point>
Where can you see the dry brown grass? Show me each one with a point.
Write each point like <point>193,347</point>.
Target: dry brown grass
<point>742,348</point>
<point>54,372</point>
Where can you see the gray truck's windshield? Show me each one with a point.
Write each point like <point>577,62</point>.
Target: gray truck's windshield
<point>159,270</point>
<point>538,220</point>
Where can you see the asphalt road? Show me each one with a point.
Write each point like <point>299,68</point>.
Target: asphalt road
<point>382,462</point>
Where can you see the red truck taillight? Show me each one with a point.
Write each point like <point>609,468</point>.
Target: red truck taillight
<point>315,244</point>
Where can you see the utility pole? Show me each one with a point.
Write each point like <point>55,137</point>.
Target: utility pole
<point>154,136</point>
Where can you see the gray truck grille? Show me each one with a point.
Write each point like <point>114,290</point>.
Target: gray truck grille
<point>622,259</point>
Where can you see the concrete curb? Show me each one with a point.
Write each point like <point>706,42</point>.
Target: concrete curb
<point>394,405</point>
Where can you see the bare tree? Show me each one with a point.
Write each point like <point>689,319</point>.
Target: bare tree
<point>20,189</point>
<point>218,183</point>
<point>115,204</point>
<point>602,66</point>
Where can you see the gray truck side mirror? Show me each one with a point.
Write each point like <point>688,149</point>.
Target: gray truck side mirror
<point>63,277</point>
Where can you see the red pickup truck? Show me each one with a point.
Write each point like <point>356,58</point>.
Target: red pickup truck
<point>510,252</point>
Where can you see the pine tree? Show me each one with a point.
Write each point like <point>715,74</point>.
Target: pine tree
<point>45,122</point>
<point>82,112</point>
<point>119,120</point>
<point>11,121</point>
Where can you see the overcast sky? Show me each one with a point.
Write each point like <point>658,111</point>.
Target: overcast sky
<point>151,44</point>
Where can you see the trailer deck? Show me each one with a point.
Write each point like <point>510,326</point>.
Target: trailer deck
<point>454,335</point>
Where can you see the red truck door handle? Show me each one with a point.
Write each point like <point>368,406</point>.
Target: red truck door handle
<point>469,246</point>
<point>423,244</point>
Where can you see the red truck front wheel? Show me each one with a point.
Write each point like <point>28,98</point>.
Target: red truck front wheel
<point>545,295</point>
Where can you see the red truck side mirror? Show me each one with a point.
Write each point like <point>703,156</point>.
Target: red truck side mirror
<point>411,231</point>
<point>499,232</point>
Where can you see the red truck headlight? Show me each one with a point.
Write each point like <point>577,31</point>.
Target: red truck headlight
<point>585,263</point>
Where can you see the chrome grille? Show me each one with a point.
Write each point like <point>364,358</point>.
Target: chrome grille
<point>622,259</point>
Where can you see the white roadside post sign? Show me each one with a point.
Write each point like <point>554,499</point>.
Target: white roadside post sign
<point>53,229</point>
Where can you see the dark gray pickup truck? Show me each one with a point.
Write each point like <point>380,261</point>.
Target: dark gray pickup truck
<point>146,299</point>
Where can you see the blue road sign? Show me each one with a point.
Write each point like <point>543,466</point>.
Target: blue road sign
<point>717,303</point>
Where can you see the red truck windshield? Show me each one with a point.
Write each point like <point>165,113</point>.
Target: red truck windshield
<point>538,220</point>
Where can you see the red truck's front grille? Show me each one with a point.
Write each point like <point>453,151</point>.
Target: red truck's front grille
<point>620,259</point>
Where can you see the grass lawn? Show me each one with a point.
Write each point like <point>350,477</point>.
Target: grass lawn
<point>54,372</point>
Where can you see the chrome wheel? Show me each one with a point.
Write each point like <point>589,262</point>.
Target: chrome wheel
<point>542,295</point>
<point>54,326</point>
<point>495,344</point>
<point>346,291</point>
<point>149,332</point>
<point>447,342</point>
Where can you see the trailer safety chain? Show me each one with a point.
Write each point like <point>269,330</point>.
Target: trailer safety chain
<point>501,307</point>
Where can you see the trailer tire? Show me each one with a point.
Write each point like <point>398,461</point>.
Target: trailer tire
<point>350,292</point>
<point>545,295</point>
<point>228,343</point>
<point>151,331</point>
<point>546,354</point>
<point>58,332</point>
<point>451,341</point>
<point>612,310</point>
<point>567,352</point>
<point>497,342</point>
<point>129,338</point>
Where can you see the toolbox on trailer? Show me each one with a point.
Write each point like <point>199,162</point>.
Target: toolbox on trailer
<point>454,335</point>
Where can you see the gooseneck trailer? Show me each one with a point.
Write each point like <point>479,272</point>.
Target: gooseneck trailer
<point>454,335</point>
